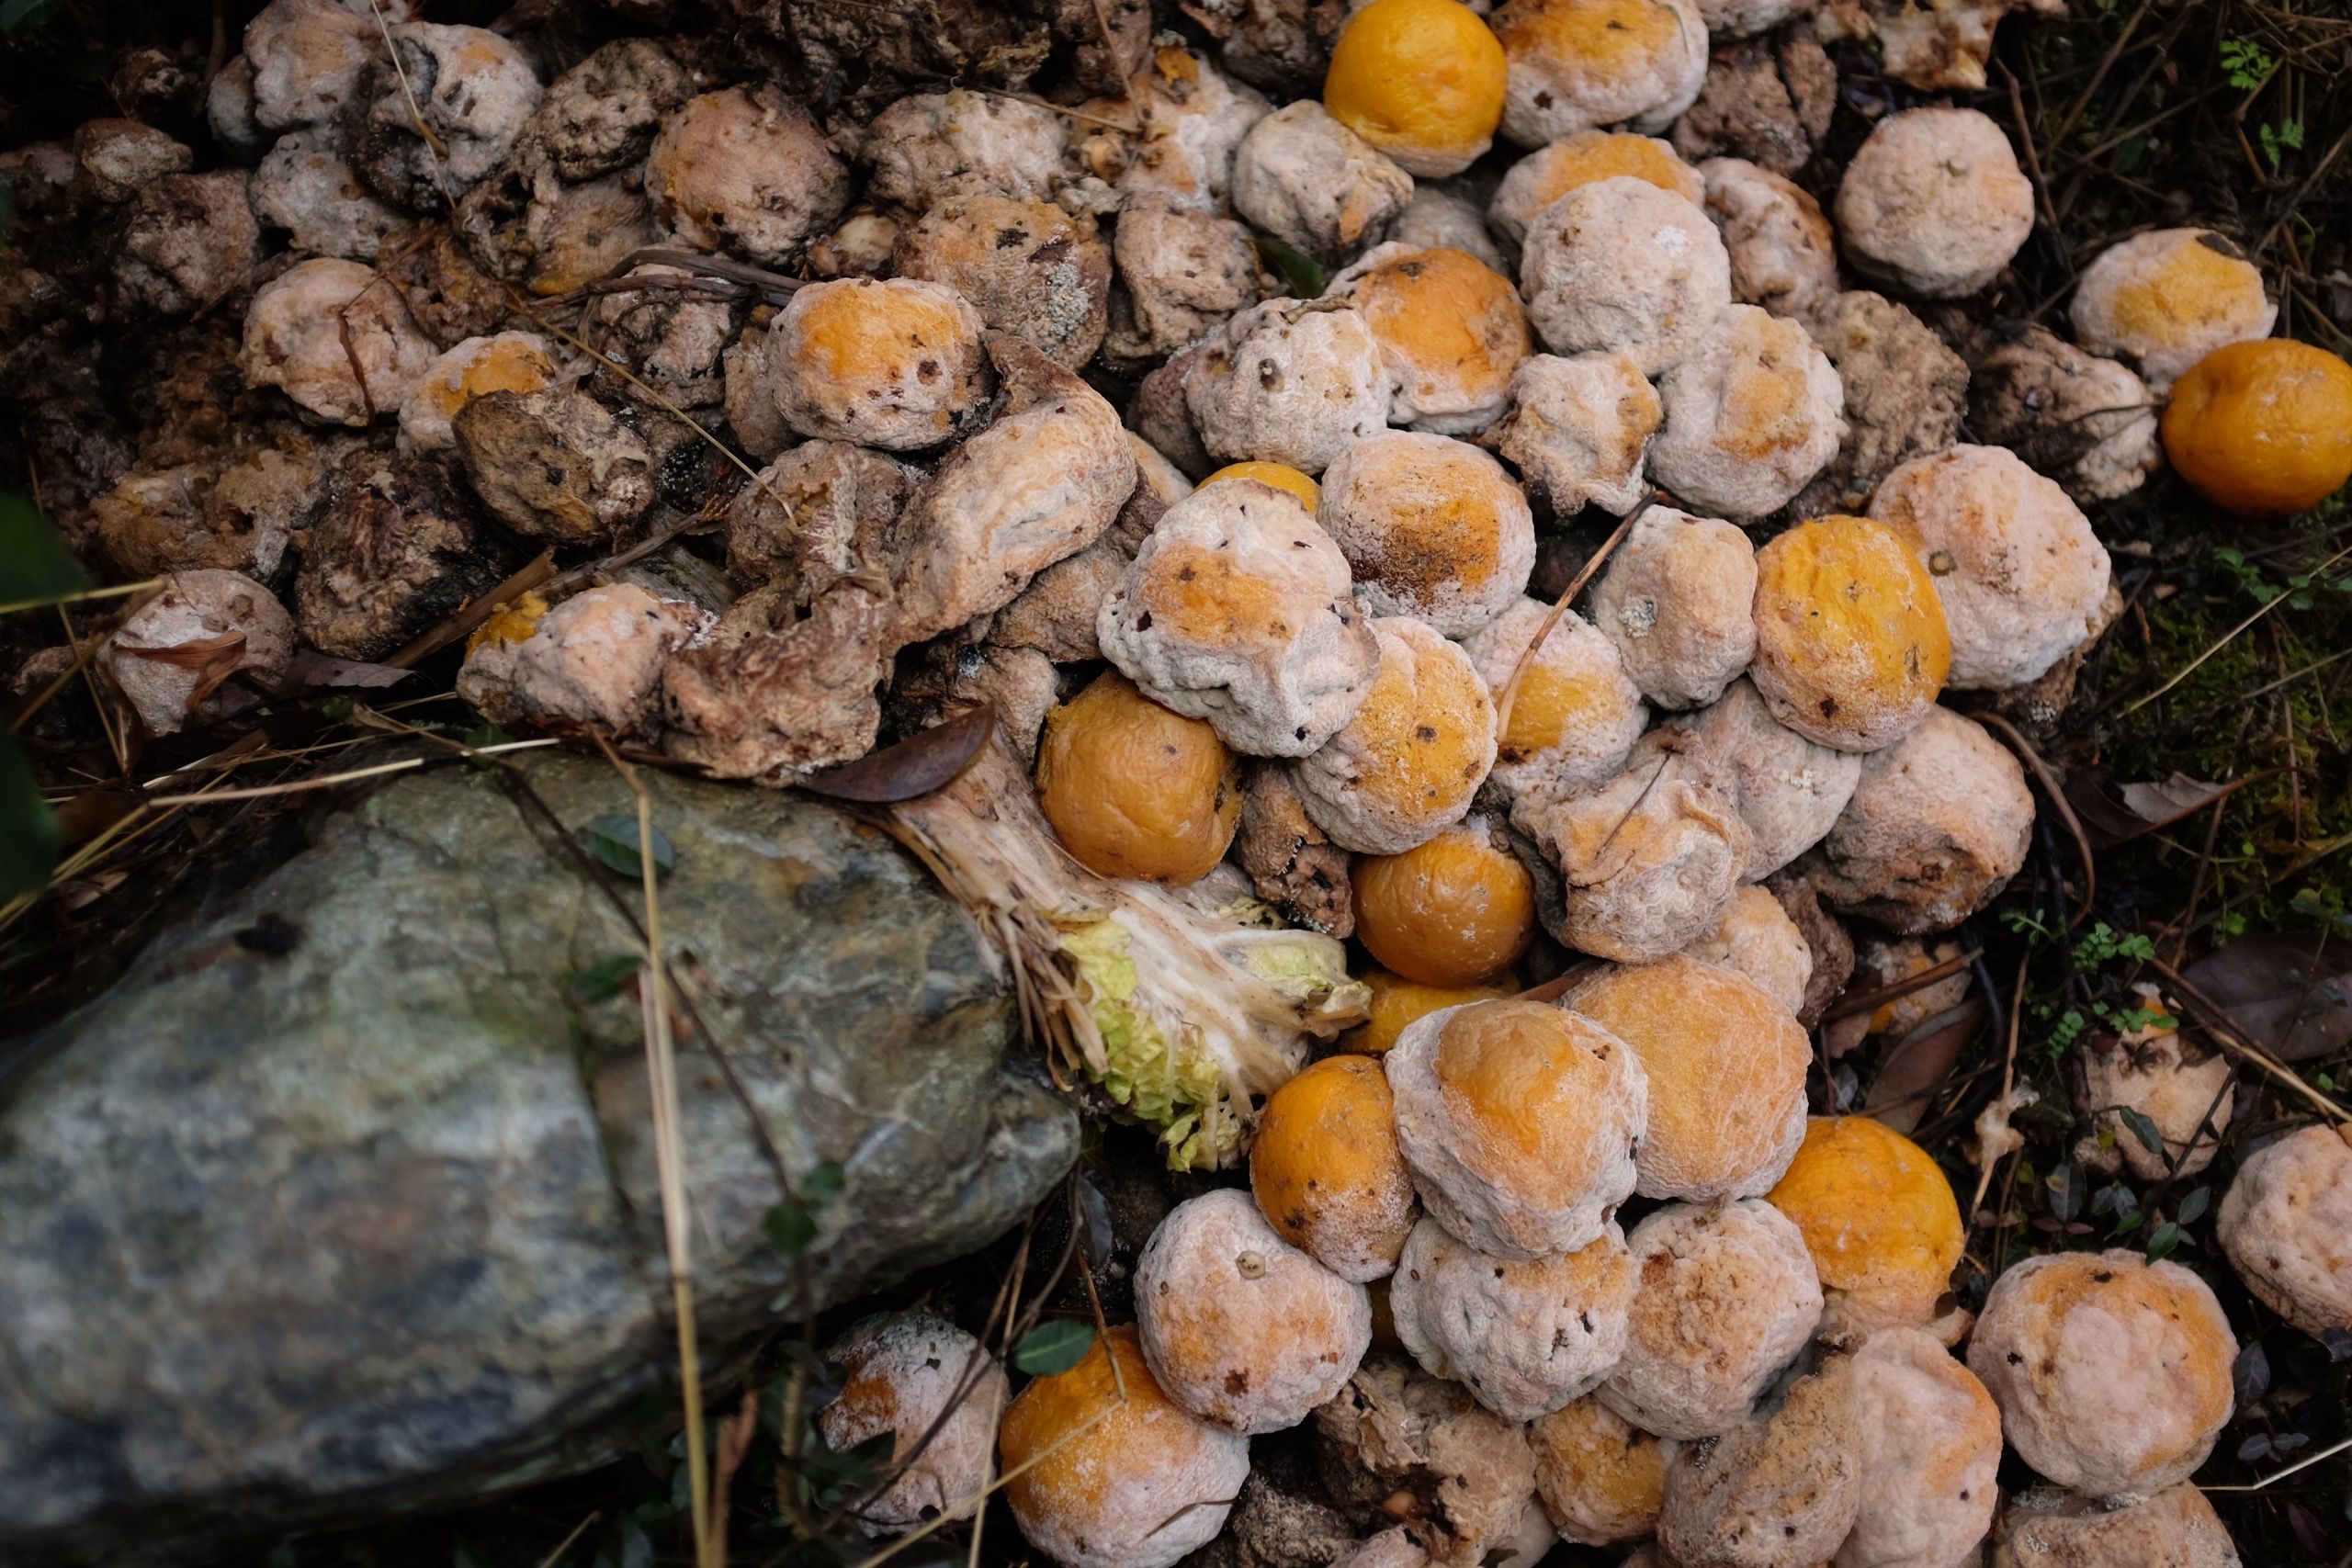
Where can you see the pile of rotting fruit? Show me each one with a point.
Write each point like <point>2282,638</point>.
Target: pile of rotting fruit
<point>1556,569</point>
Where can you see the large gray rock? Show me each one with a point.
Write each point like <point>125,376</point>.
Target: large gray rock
<point>290,1237</point>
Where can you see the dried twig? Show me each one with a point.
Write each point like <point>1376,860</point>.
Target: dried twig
<point>1568,597</point>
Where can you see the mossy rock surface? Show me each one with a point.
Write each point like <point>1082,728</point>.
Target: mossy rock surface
<point>342,1203</point>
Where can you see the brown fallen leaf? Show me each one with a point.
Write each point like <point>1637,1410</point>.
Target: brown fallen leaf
<point>2290,992</point>
<point>2113,815</point>
<point>214,659</point>
<point>310,669</point>
<point>1920,1063</point>
<point>913,767</point>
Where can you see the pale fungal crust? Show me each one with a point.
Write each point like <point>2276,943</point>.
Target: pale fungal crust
<point>1726,1066</point>
<point>1449,329</point>
<point>1789,790</point>
<point>1432,528</point>
<point>1027,266</point>
<point>1934,48</point>
<point>930,145</point>
<point>2167,299</point>
<point>1043,481</point>
<point>1677,599</point>
<point>2177,1528</point>
<point>1326,1170</point>
<point>2149,1069</point>
<point>508,362</point>
<point>1193,118</point>
<point>463,98</point>
<point>1241,1329</point>
<point>1309,181</point>
<point>1851,647</point>
<point>1621,265</point>
<point>1576,713</point>
<point>2286,1224</point>
<point>306,186</point>
<point>1905,392</point>
<point>1757,941</point>
<point>1579,428</point>
<point>1933,1444</point>
<point>670,342</point>
<point>594,662</point>
<point>939,1392</point>
<point>2088,421</point>
<point>1140,1487</point>
<point>745,170</point>
<point>237,515</point>
<point>1938,824</point>
<point>1519,1123</point>
<point>1725,1295</point>
<point>334,337</point>
<point>1777,1491</point>
<point>172,654</point>
<point>824,511</point>
<point>1549,173</point>
<point>2020,573</point>
<point>1575,64</point>
<point>1741,18</point>
<point>1238,609</point>
<point>1933,202</point>
<point>307,58</point>
<point>1599,1479</point>
<point>1524,1337</point>
<point>1648,857</point>
<point>1399,1443</point>
<point>1751,413</point>
<point>1185,272</point>
<point>2113,1373</point>
<point>1288,381</point>
<point>1438,217</point>
<point>1784,255</point>
<point>1879,1220</point>
<point>1409,762</point>
<point>894,363</point>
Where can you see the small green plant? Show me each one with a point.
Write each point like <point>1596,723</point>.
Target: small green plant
<point>2102,942</point>
<point>2285,137</point>
<point>2246,62</point>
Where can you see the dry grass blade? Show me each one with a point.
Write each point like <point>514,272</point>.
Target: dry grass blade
<point>2224,1031</point>
<point>329,780</point>
<point>668,1158</point>
<point>1568,597</point>
<point>416,117</point>
<point>552,1558</point>
<point>82,596</point>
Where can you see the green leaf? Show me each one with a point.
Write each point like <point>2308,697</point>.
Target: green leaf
<point>29,842</point>
<point>605,979</point>
<point>1303,277</point>
<point>2065,1185</point>
<point>2192,1208</point>
<point>613,840</point>
<point>823,1183</point>
<point>2162,1240</point>
<point>791,1228</point>
<point>2144,1130</point>
<point>34,562</point>
<point>1052,1348</point>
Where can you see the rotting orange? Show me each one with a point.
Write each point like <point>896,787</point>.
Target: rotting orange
<point>2263,428</point>
<point>1454,911</point>
<point>1421,80</point>
<point>1134,790</point>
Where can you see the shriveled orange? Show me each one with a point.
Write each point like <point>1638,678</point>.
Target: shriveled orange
<point>1879,1218</point>
<point>1396,1002</point>
<point>1451,324</point>
<point>1281,476</point>
<point>1851,646</point>
<point>2263,428</point>
<point>1085,1468</point>
<point>1454,911</point>
<point>1326,1169</point>
<point>1590,155</point>
<point>1134,790</point>
<point>1421,80</point>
